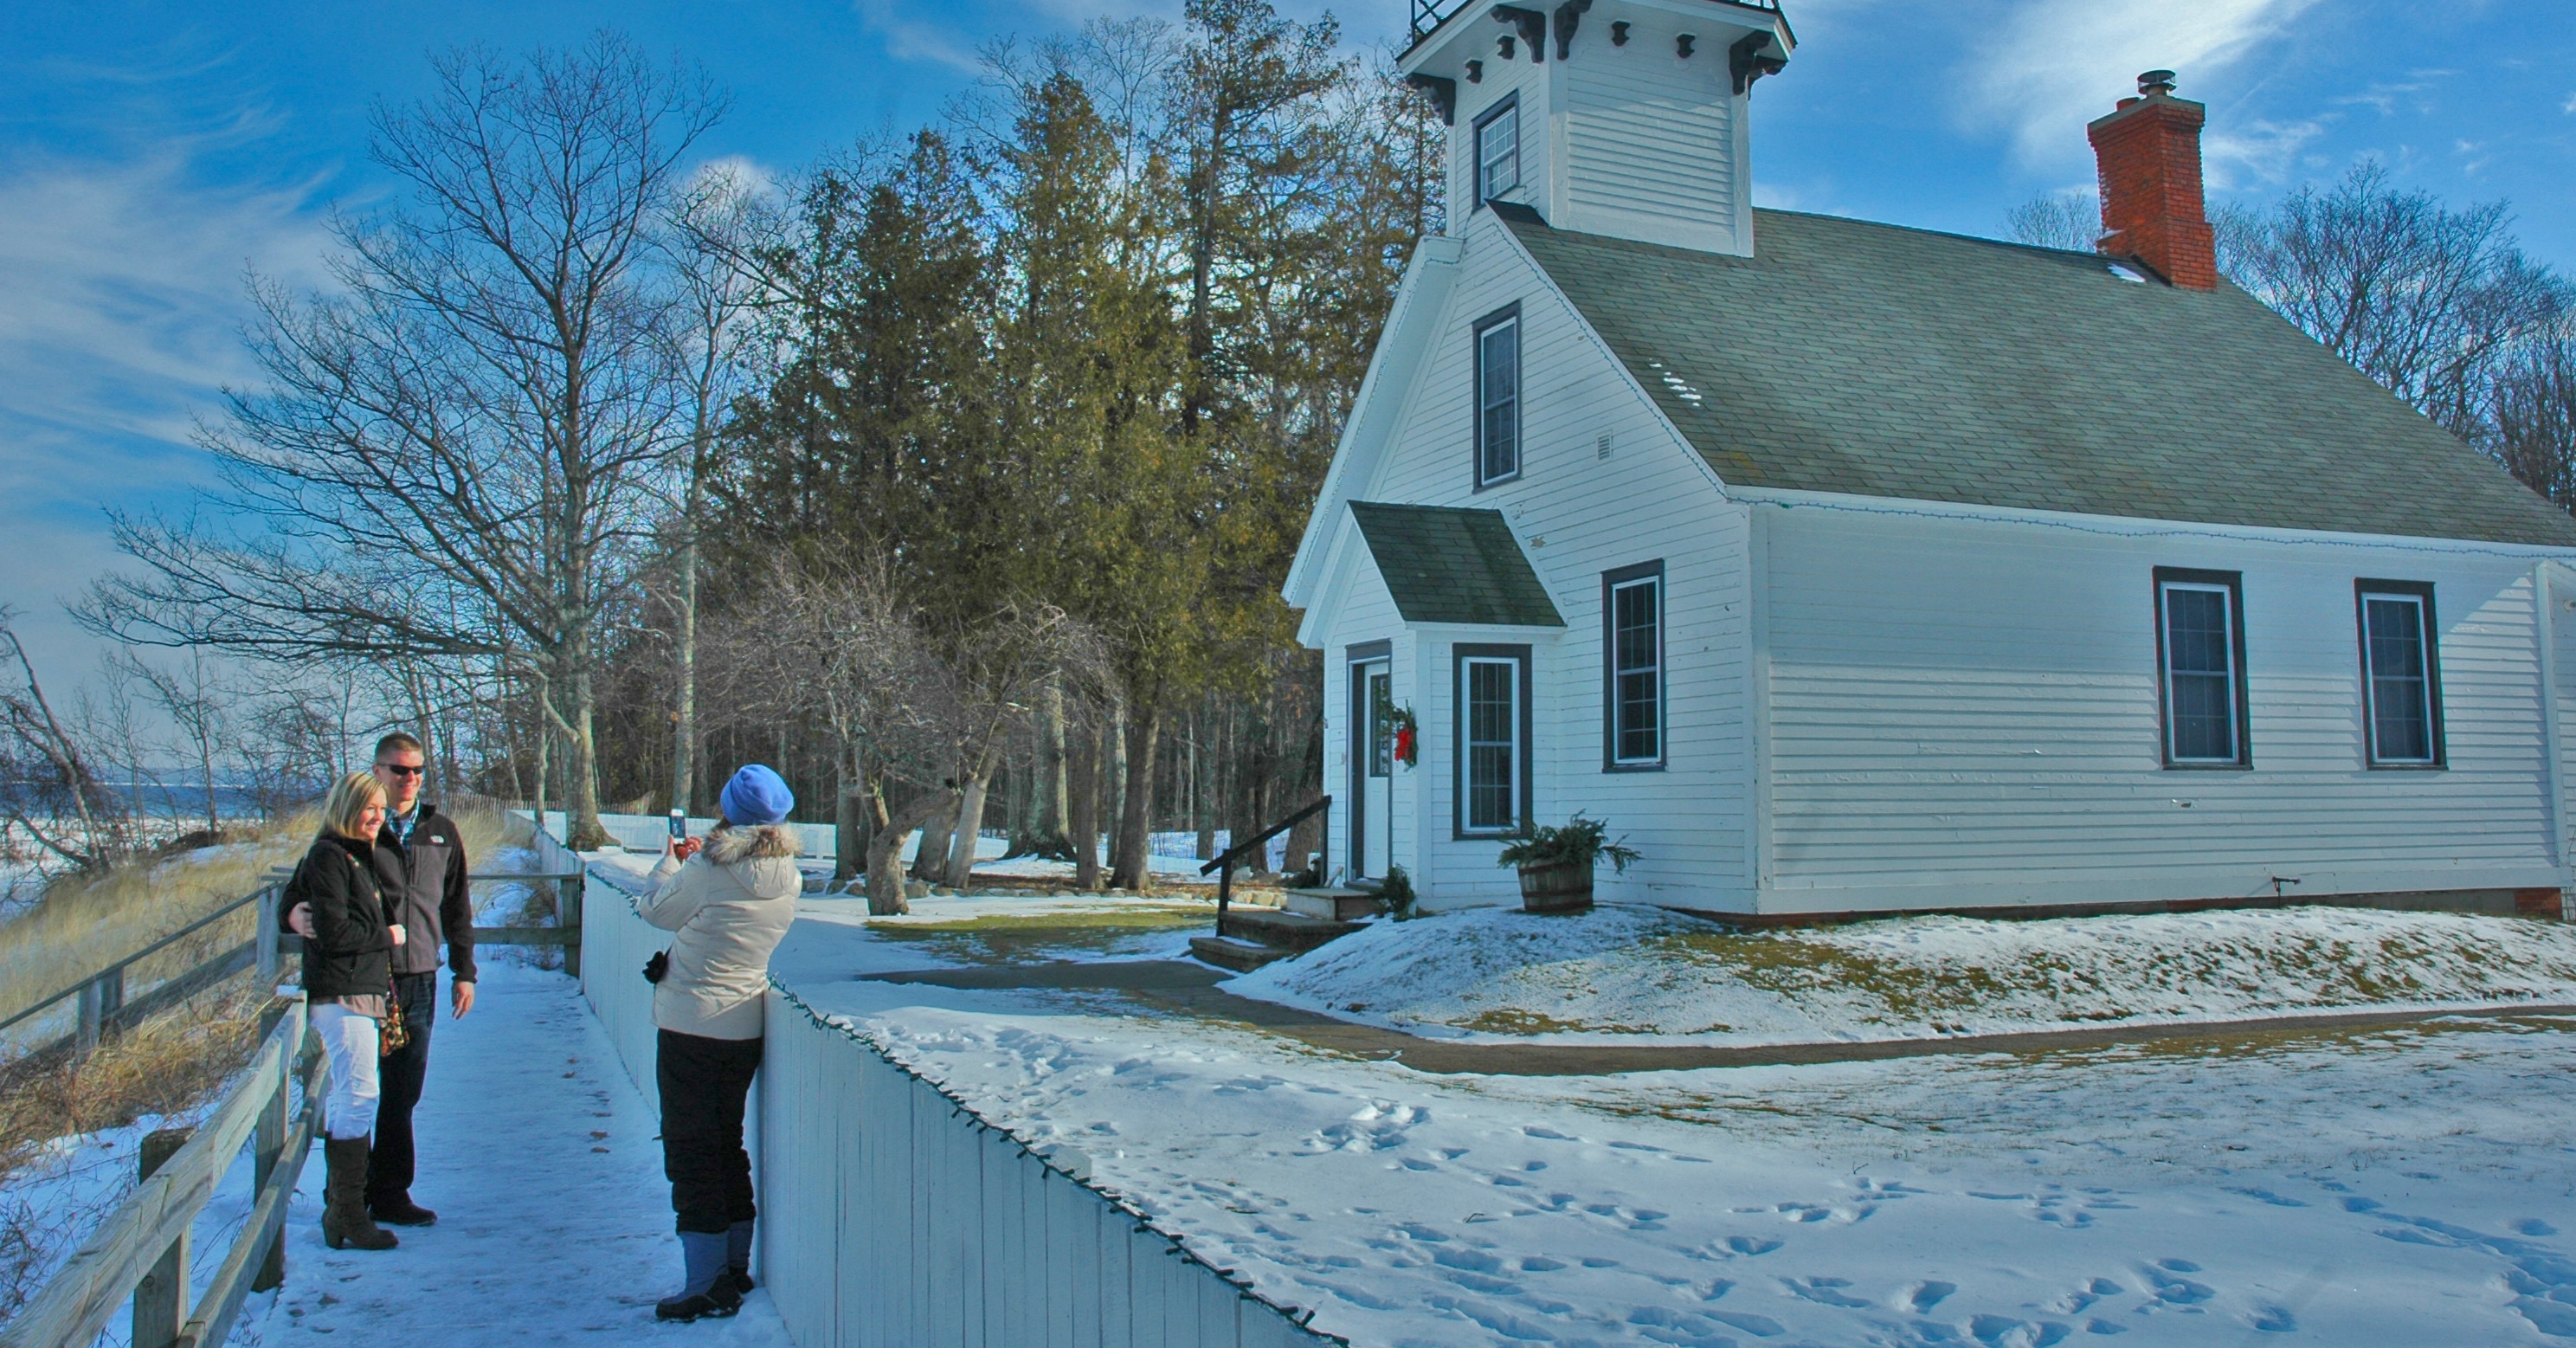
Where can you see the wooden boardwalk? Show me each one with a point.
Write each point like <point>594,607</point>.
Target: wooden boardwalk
<point>554,1220</point>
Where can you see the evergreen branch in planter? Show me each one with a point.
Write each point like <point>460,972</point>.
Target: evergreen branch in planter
<point>1579,843</point>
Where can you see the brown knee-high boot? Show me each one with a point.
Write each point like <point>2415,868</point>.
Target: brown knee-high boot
<point>346,1223</point>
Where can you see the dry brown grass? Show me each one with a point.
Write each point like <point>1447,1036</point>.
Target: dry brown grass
<point>172,1065</point>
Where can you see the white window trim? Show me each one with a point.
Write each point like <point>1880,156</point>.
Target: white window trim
<point>2430,682</point>
<point>1501,321</point>
<point>1509,107</point>
<point>1515,787</point>
<point>2235,672</point>
<point>1610,621</point>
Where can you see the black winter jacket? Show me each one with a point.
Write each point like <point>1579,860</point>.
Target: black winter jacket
<point>426,894</point>
<point>350,952</point>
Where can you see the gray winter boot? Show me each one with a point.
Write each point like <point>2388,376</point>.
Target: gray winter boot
<point>709,1289</point>
<point>738,1255</point>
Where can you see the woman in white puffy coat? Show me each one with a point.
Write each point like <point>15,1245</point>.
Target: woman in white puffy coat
<point>728,901</point>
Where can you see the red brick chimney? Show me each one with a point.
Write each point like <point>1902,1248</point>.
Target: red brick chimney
<point>2149,151</point>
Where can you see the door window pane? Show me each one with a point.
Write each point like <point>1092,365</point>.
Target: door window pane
<point>2200,674</point>
<point>1637,676</point>
<point>1492,698</point>
<point>1381,734</point>
<point>2401,703</point>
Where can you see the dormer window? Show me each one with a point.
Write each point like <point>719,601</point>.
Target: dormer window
<point>1498,149</point>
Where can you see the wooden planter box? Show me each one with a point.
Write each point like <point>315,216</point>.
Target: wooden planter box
<point>1559,887</point>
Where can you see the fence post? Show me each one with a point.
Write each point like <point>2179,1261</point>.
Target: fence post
<point>91,1015</point>
<point>568,917</point>
<point>268,1144</point>
<point>265,939</point>
<point>161,1299</point>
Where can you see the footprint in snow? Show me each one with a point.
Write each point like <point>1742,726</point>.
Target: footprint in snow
<point>1927,1295</point>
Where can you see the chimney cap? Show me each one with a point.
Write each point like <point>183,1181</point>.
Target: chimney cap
<point>2156,82</point>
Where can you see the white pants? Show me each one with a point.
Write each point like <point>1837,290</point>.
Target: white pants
<point>351,1040</point>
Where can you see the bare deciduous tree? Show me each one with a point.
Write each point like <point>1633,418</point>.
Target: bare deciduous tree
<point>49,786</point>
<point>2071,220</point>
<point>2422,298</point>
<point>456,456</point>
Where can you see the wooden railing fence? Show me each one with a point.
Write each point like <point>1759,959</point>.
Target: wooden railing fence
<point>140,1254</point>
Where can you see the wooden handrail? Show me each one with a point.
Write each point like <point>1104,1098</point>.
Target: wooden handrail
<point>1224,865</point>
<point>1243,849</point>
<point>142,1232</point>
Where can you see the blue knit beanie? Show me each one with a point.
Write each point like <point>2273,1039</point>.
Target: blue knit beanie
<point>756,795</point>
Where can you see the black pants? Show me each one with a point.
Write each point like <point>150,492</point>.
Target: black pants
<point>704,1083</point>
<point>400,1074</point>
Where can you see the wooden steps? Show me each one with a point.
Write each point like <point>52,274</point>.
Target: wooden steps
<point>1250,937</point>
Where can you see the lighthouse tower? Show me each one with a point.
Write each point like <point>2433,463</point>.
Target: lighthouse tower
<point>1619,117</point>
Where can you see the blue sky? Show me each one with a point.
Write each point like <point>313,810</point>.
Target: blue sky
<point>151,152</point>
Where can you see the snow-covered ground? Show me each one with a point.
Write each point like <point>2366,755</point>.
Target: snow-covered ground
<point>2410,1187</point>
<point>1643,975</point>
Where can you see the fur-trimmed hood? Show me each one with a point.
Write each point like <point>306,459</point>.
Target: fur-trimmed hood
<point>729,845</point>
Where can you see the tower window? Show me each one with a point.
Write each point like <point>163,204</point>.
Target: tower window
<point>1498,149</point>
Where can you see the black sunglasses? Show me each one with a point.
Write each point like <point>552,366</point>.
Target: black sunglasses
<point>399,770</point>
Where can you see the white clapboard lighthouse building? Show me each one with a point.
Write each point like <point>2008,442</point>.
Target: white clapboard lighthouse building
<point>1851,568</point>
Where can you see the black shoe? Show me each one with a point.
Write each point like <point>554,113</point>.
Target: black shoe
<point>715,1303</point>
<point>742,1283</point>
<point>399,1210</point>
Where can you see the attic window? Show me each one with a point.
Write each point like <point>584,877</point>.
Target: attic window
<point>2126,272</point>
<point>1498,150</point>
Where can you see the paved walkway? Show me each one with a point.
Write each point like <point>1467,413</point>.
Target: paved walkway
<point>1189,987</point>
<point>554,1220</point>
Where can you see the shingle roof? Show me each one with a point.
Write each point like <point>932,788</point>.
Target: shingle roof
<point>1881,361</point>
<point>1447,565</point>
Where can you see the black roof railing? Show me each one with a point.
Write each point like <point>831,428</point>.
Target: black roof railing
<point>1430,14</point>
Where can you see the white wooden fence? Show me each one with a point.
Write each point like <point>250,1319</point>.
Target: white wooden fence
<point>892,1215</point>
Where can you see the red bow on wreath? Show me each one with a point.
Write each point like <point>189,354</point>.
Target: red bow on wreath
<point>1408,739</point>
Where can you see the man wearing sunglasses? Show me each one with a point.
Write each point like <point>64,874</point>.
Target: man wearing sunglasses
<point>420,860</point>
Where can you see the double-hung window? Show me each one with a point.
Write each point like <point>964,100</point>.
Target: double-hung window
<point>2401,675</point>
<point>1498,149</point>
<point>1498,396</point>
<point>1492,789</point>
<point>1632,659</point>
<point>2200,668</point>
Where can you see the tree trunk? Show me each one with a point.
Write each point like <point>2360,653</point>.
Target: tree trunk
<point>1053,818</point>
<point>970,822</point>
<point>581,764</point>
<point>1200,819</point>
<point>885,850</point>
<point>1128,868</point>
<point>850,821</point>
<point>684,710</point>
<point>1085,764</point>
<point>1116,784</point>
<point>545,759</point>
<point>930,861</point>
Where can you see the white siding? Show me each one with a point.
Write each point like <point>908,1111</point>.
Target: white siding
<point>1649,144</point>
<point>1970,706</point>
<point>1577,515</point>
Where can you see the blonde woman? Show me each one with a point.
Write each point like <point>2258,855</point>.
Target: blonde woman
<point>348,971</point>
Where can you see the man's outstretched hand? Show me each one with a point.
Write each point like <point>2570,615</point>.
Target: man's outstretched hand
<point>460,997</point>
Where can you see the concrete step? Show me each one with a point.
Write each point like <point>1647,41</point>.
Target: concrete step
<point>1225,952</point>
<point>1339,903</point>
<point>1295,933</point>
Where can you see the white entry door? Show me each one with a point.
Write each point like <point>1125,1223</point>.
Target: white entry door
<point>1372,820</point>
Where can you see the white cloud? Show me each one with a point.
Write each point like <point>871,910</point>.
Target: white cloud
<point>2054,65</point>
<point>2249,154</point>
<point>120,307</point>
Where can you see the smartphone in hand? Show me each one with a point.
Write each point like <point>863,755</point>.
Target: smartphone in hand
<point>679,825</point>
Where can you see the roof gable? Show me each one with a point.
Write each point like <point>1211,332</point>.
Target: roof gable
<point>1874,360</point>
<point>1443,564</point>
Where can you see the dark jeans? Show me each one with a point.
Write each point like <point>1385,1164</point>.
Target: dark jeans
<point>390,1160</point>
<point>704,1083</point>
